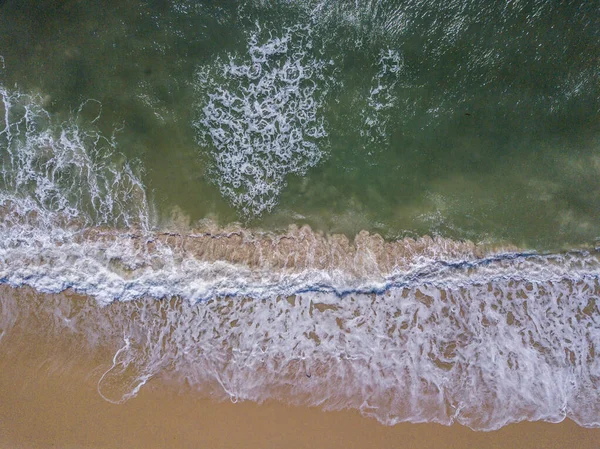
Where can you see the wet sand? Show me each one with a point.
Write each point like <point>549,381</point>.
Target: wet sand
<point>49,400</point>
<point>66,412</point>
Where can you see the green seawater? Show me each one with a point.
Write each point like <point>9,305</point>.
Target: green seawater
<point>471,120</point>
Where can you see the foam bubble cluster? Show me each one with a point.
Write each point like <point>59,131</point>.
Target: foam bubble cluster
<point>260,117</point>
<point>63,171</point>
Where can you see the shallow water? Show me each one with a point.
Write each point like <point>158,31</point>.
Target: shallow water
<point>246,189</point>
<point>470,120</point>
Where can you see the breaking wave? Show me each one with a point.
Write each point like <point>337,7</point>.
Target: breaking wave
<point>67,171</point>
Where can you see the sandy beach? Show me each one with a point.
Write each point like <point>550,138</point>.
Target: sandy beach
<point>65,411</point>
<point>49,399</point>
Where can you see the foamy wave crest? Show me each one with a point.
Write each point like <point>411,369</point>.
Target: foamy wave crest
<point>58,179</point>
<point>111,264</point>
<point>260,118</point>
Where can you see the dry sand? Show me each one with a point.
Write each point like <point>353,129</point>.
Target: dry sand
<point>48,399</point>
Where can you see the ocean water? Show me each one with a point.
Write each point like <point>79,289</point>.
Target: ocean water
<point>391,206</point>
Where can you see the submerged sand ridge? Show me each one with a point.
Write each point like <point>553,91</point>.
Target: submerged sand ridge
<point>300,249</point>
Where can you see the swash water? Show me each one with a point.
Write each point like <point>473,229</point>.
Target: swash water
<point>384,205</point>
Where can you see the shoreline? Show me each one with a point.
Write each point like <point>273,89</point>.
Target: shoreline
<point>392,358</point>
<point>47,405</point>
<point>208,262</point>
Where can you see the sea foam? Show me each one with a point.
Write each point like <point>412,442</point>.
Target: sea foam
<point>66,171</point>
<point>484,354</point>
<point>260,116</point>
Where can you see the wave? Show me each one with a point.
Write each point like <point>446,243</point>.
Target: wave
<point>65,171</point>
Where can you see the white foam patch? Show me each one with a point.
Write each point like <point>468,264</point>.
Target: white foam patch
<point>64,171</point>
<point>260,117</point>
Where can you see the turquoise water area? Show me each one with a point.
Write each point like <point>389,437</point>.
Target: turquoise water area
<point>467,119</point>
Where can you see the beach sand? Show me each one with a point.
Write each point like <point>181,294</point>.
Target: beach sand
<point>48,399</point>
